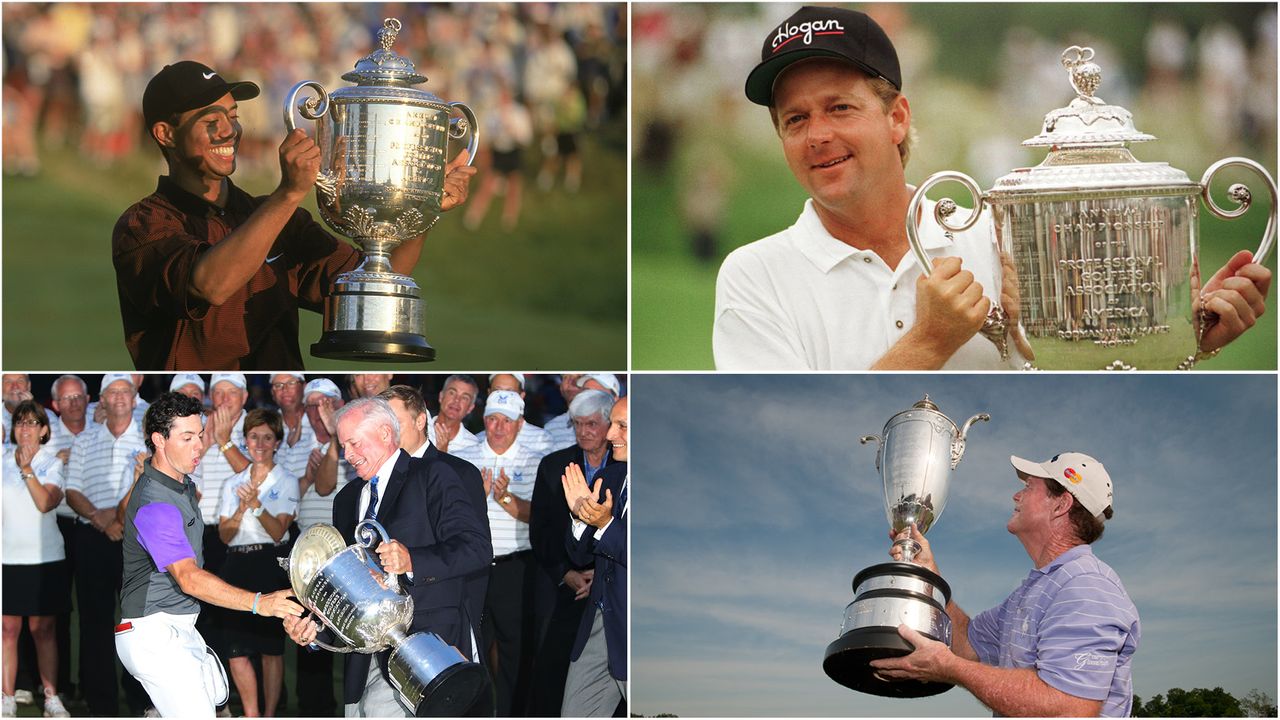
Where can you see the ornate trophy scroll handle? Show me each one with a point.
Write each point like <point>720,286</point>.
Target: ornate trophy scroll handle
<point>1240,194</point>
<point>458,130</point>
<point>311,108</point>
<point>996,327</point>
<point>879,446</point>
<point>369,531</point>
<point>957,447</point>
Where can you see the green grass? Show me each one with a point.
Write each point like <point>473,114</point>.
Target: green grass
<point>549,295</point>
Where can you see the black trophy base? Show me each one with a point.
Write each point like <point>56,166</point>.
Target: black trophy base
<point>373,346</point>
<point>462,690</point>
<point>848,662</point>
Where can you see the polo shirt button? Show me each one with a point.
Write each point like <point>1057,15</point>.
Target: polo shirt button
<point>866,258</point>
<point>899,324</point>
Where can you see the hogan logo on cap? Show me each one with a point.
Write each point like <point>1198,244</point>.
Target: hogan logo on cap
<point>806,30</point>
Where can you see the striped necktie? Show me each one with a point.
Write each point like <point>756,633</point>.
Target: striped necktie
<point>371,512</point>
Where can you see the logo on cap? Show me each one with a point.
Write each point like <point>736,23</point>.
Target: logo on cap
<point>1073,476</point>
<point>806,30</point>
<point>208,75</point>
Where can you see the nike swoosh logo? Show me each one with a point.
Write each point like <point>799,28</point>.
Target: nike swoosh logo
<point>191,522</point>
<point>208,76</point>
<point>275,258</point>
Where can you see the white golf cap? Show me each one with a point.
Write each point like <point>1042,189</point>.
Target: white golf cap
<point>182,379</point>
<point>236,379</point>
<point>1082,476</point>
<point>113,377</point>
<point>504,402</point>
<point>518,376</point>
<point>298,375</point>
<point>324,386</point>
<point>607,380</point>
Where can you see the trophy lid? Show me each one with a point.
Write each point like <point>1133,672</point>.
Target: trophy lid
<point>1087,121</point>
<point>383,66</point>
<point>926,404</point>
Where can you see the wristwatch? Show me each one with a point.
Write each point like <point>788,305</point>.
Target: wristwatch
<point>506,499</point>
<point>223,448</point>
<point>28,476</point>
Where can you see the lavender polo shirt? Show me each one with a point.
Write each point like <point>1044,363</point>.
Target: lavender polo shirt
<point>1074,623</point>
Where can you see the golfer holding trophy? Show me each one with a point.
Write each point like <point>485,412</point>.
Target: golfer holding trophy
<point>384,152</point>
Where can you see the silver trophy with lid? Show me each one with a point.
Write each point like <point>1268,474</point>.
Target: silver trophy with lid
<point>1100,249</point>
<point>368,612</point>
<point>916,454</point>
<point>384,145</point>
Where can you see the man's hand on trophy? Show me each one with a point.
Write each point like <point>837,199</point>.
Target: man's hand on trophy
<point>299,164</point>
<point>279,604</point>
<point>394,557</point>
<point>1237,294</point>
<point>950,306</point>
<point>930,661</point>
<point>301,630</point>
<point>924,558</point>
<point>457,181</point>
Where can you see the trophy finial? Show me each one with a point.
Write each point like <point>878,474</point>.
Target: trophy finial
<point>387,35</point>
<point>1085,74</point>
<point>926,404</point>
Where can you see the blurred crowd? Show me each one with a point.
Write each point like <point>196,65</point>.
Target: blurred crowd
<point>1214,81</point>
<point>82,436</point>
<point>538,75</point>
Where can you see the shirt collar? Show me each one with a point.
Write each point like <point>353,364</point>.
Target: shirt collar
<point>384,470</point>
<point>421,450</point>
<point>825,251</point>
<point>156,476</point>
<point>1066,557</point>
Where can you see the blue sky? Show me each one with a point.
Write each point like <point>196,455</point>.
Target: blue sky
<point>756,505</point>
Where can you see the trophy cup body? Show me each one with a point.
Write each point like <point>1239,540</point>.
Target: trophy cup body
<point>368,612</point>
<point>1101,249</point>
<point>383,145</point>
<point>916,454</point>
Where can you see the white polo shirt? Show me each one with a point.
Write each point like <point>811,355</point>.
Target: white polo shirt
<point>30,536</point>
<point>294,458</point>
<point>464,439</point>
<point>314,508</point>
<point>281,496</point>
<point>61,439</point>
<point>531,436</point>
<point>521,465</point>
<point>803,300</point>
<point>101,465</point>
<point>214,470</point>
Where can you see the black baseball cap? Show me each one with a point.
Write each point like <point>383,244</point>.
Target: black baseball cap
<point>187,85</point>
<point>823,32</point>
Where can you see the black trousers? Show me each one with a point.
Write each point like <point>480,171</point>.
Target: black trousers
<point>551,663</point>
<point>315,683</point>
<point>98,573</point>
<point>508,624</point>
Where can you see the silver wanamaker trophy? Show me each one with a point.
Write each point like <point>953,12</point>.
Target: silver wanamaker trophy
<point>368,611</point>
<point>1101,249</point>
<point>915,456</point>
<point>384,145</point>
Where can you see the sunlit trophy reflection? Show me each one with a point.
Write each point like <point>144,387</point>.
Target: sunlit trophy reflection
<point>384,145</point>
<point>915,456</point>
<point>346,589</point>
<point>1099,250</point>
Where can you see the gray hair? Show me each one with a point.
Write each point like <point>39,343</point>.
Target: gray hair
<point>465,380</point>
<point>374,409</point>
<point>84,387</point>
<point>591,402</point>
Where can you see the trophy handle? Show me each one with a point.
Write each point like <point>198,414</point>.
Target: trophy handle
<point>1240,194</point>
<point>957,447</point>
<point>369,531</point>
<point>331,648</point>
<point>458,130</point>
<point>996,327</point>
<point>879,446</point>
<point>310,108</point>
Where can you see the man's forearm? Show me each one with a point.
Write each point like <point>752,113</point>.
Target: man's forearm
<point>1017,692</point>
<point>80,504</point>
<point>204,585</point>
<point>912,352</point>
<point>960,632</point>
<point>404,258</point>
<point>227,266</point>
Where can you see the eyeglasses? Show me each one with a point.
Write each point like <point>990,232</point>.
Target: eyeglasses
<point>285,384</point>
<point>29,422</point>
<point>71,398</point>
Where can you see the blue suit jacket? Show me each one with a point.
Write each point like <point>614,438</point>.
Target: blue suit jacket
<point>609,588</point>
<point>429,509</point>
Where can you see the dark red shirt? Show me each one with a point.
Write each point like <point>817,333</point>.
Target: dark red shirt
<point>155,247</point>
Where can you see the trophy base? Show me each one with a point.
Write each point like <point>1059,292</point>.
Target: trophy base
<point>848,662</point>
<point>373,346</point>
<point>463,690</point>
<point>886,596</point>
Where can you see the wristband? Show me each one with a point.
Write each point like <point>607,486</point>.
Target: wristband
<point>223,448</point>
<point>256,598</point>
<point>257,512</point>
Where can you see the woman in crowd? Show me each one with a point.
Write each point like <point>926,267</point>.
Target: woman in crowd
<point>256,508</point>
<point>37,585</point>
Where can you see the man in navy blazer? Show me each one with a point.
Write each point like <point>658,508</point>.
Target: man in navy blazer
<point>437,541</point>
<point>597,681</point>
